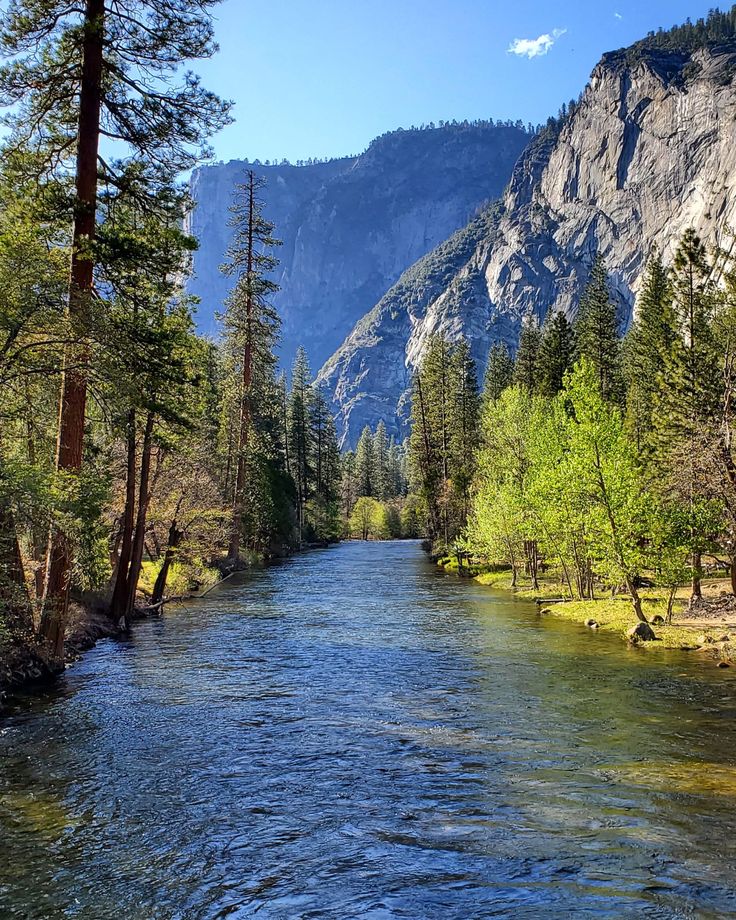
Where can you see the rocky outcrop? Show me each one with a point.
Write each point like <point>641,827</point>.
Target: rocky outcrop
<point>350,227</point>
<point>649,151</point>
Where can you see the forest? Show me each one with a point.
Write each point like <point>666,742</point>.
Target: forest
<point>607,460</point>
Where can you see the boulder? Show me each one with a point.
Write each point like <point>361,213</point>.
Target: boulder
<point>593,624</point>
<point>658,620</point>
<point>642,632</point>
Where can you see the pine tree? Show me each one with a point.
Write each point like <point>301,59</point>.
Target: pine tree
<point>647,345</point>
<point>300,433</point>
<point>597,332</point>
<point>687,397</point>
<point>464,427</point>
<point>499,372</point>
<point>365,468</point>
<point>250,323</point>
<point>381,480</point>
<point>556,352</point>
<point>526,368</point>
<point>77,73</point>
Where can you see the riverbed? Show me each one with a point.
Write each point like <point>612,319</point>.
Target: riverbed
<point>352,733</point>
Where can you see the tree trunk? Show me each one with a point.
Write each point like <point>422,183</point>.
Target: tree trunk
<point>697,589</point>
<point>159,587</point>
<point>73,401</point>
<point>14,599</point>
<point>119,601</point>
<point>635,600</point>
<point>144,497</point>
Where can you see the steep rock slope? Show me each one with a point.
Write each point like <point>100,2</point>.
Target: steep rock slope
<point>351,226</point>
<point>649,151</point>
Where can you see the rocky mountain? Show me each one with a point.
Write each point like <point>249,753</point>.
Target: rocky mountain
<point>649,150</point>
<point>351,226</point>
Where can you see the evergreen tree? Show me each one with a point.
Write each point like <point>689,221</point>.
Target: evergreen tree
<point>556,352</point>
<point>526,368</point>
<point>646,348</point>
<point>365,468</point>
<point>251,325</point>
<point>597,332</point>
<point>300,433</point>
<point>688,391</point>
<point>381,480</point>
<point>464,424</point>
<point>77,73</point>
<point>499,372</point>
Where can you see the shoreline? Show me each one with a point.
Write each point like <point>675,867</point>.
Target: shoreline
<point>709,633</point>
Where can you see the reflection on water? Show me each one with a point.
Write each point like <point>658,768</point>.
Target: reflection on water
<point>353,734</point>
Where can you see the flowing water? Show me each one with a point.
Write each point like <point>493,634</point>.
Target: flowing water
<point>353,734</point>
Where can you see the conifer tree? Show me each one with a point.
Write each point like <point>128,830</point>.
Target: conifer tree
<point>365,467</point>
<point>688,393</point>
<point>556,351</point>
<point>300,433</point>
<point>646,348</point>
<point>597,332</point>
<point>499,372</point>
<point>464,425</point>
<point>526,367</point>
<point>77,73</point>
<point>250,323</point>
<point>381,481</point>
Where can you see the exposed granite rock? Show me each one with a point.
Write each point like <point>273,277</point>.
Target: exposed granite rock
<point>351,226</point>
<point>649,151</point>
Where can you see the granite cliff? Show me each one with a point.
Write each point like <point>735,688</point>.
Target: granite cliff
<point>351,226</point>
<point>649,150</point>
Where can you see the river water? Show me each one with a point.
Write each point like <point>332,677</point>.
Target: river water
<point>354,734</point>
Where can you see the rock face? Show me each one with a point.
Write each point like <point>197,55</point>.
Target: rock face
<point>649,151</point>
<point>351,226</point>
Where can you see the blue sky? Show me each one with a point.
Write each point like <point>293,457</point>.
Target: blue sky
<point>323,77</point>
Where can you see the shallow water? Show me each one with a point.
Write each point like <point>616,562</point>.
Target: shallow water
<point>353,734</point>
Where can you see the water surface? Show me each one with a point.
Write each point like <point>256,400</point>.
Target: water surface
<point>354,734</point>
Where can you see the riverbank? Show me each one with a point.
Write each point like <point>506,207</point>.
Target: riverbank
<point>708,628</point>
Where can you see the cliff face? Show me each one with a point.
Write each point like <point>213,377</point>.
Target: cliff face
<point>351,226</point>
<point>649,151</point>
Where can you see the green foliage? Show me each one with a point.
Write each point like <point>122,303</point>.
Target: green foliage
<point>499,372</point>
<point>556,351</point>
<point>526,368</point>
<point>444,435</point>
<point>597,332</point>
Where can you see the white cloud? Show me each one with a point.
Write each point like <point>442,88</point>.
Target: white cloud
<point>618,15</point>
<point>534,47</point>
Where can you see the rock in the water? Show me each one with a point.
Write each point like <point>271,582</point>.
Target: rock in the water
<point>593,624</point>
<point>723,664</point>
<point>642,632</point>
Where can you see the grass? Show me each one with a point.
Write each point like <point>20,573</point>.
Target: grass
<point>613,614</point>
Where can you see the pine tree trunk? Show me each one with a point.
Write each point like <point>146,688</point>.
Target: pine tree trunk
<point>74,374</point>
<point>144,497</point>
<point>119,601</point>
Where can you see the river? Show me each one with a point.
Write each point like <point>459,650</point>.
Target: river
<point>352,733</point>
